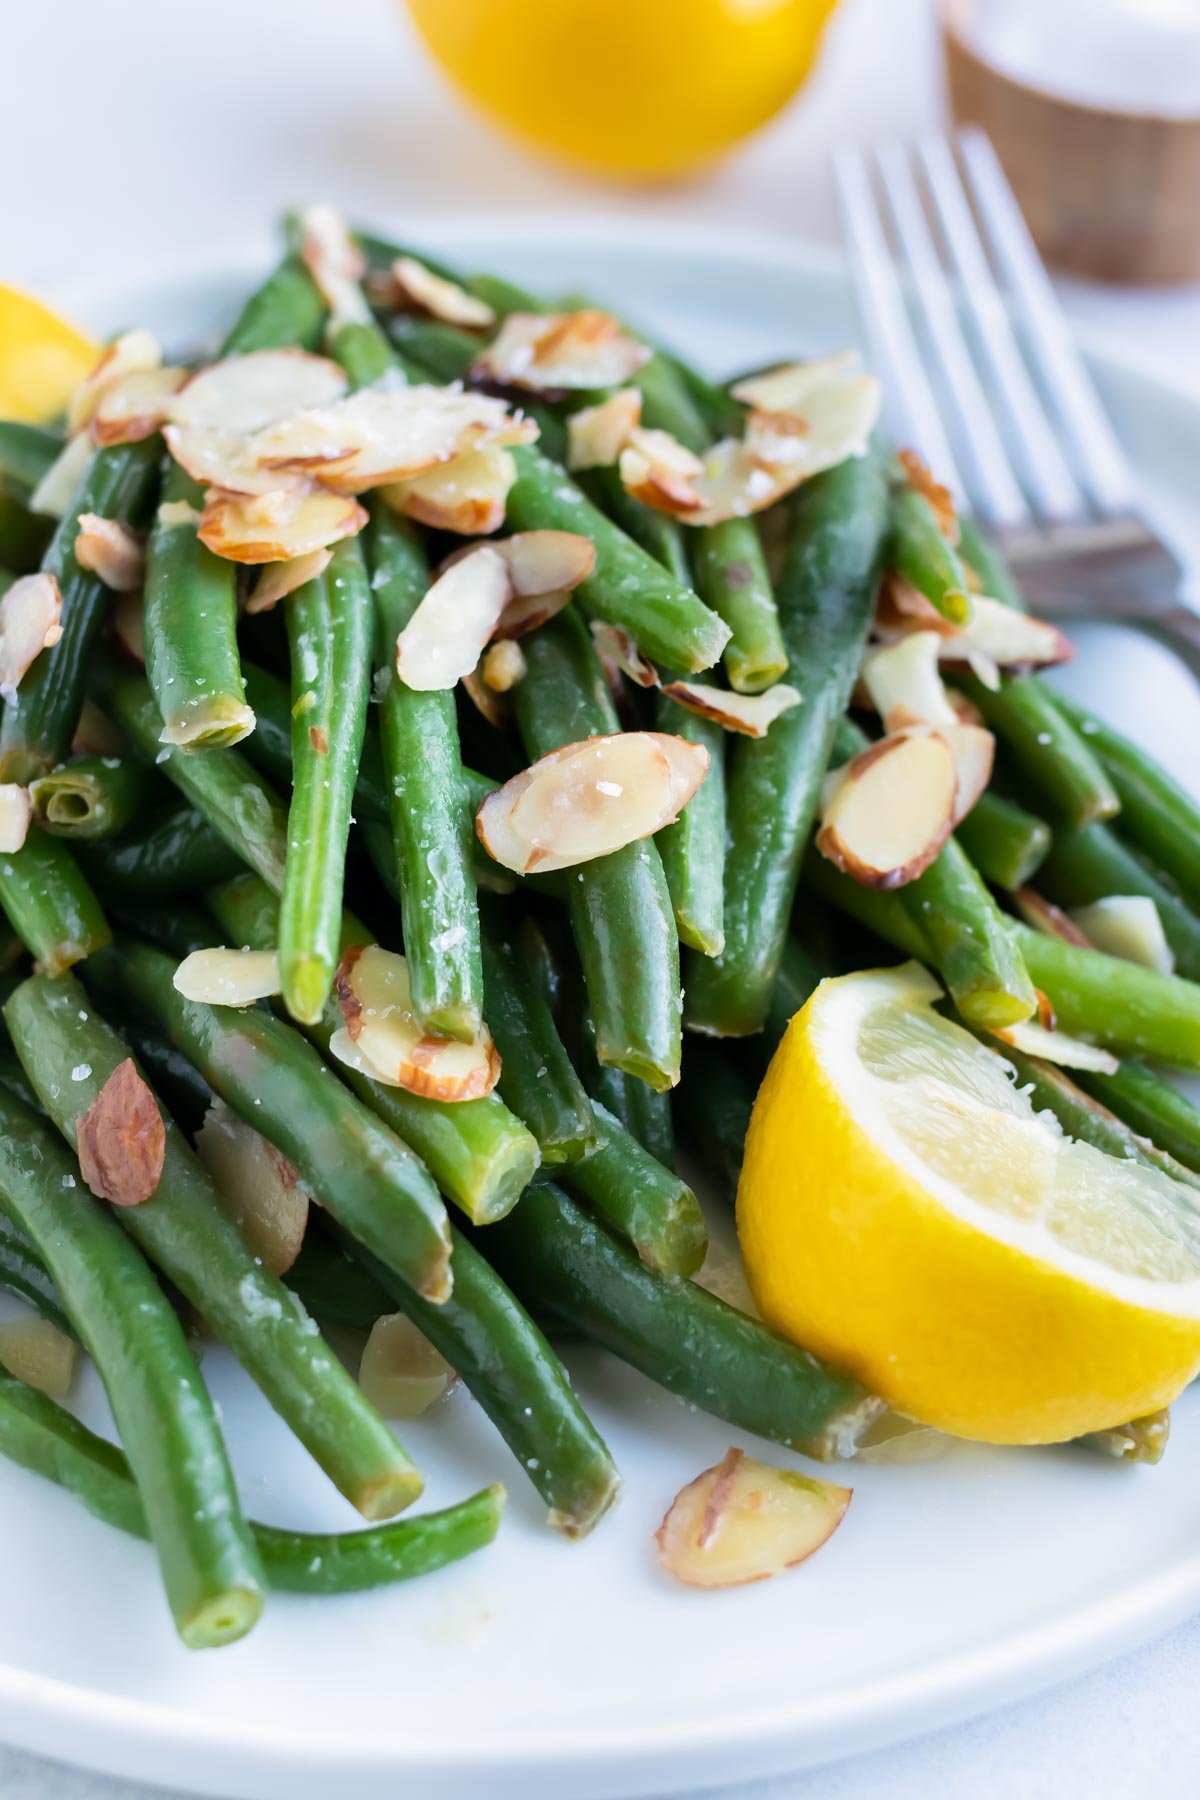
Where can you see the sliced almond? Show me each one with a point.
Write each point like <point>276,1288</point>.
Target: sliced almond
<point>95,734</point>
<point>752,715</point>
<point>178,515</point>
<point>545,562</point>
<point>52,496</point>
<point>549,352</point>
<point>112,550</point>
<point>401,1373</point>
<point>260,1187</point>
<point>486,701</point>
<point>617,650</point>
<point>336,264</point>
<point>30,615</point>
<point>596,435</point>
<point>129,626</point>
<point>447,633</point>
<point>503,666</point>
<point>408,286</point>
<point>121,1140</point>
<point>901,608</point>
<point>245,393</point>
<point>465,495</point>
<point>1127,926</point>
<point>974,751</point>
<point>1006,638</point>
<point>221,977</point>
<point>36,1352</point>
<point>744,1520</point>
<point>278,527</point>
<point>891,809</point>
<point>1049,919</point>
<point>1056,1047</point>
<point>588,799</point>
<point>919,477</point>
<point>661,472</point>
<point>16,810</point>
<point>526,612</point>
<point>136,405</point>
<point>376,1001</point>
<point>132,351</point>
<point>904,685</point>
<point>787,387</point>
<point>223,461</point>
<point>278,580</point>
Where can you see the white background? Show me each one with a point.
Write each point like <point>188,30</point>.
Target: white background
<point>140,132</point>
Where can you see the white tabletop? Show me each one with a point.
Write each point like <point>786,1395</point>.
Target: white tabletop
<point>157,132</point>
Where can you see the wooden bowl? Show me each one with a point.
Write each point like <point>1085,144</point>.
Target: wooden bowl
<point>1113,195</point>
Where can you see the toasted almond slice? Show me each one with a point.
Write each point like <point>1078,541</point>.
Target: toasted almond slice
<point>221,977</point>
<point>545,562</point>
<point>129,625</point>
<point>1128,926</point>
<point>1044,916</point>
<point>837,422</point>
<point>974,751</point>
<point>113,551</point>
<point>596,435</point>
<point>1056,1047</point>
<point>750,714</point>
<point>136,405</point>
<point>336,264</point>
<point>178,515</point>
<point>223,461</point>
<point>588,799</point>
<point>1007,638</point>
<point>16,810</point>
<point>919,477</point>
<point>657,468</point>
<point>904,685</point>
<point>245,393</point>
<point>280,579</point>
<point>278,527</point>
<point>95,734</point>
<point>548,352</point>
<point>376,1001</point>
<point>786,388</point>
<point>525,612</point>
<point>745,1520</point>
<point>121,1140</point>
<point>258,1184</point>
<point>465,495</point>
<point>486,701</point>
<point>902,608</point>
<point>891,810</point>
<point>503,666</point>
<point>446,635</point>
<point>411,287</point>
<point>401,1373</point>
<point>616,648</point>
<point>133,350</point>
<point>30,614</point>
<point>52,496</point>
<point>36,1352</point>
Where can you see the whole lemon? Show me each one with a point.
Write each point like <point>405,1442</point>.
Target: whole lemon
<point>639,88</point>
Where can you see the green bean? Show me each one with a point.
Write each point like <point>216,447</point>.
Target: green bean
<point>971,945</point>
<point>731,577</point>
<point>658,533</point>
<point>173,851</point>
<point>27,452</point>
<point>493,1345</point>
<point>1150,1106</point>
<point>715,1100</point>
<point>184,1230</point>
<point>879,912</point>
<point>646,1203</point>
<point>40,718</point>
<point>1141,1441</point>
<point>49,903</point>
<point>922,556</point>
<point>330,629</point>
<point>773,783</point>
<point>210,1568</point>
<point>620,905</point>
<point>222,785</point>
<point>269,747</point>
<point>24,535</point>
<point>42,1436</point>
<point>23,1273</point>
<point>478,1152</point>
<point>642,1111</point>
<point>1090,863</point>
<point>96,797</point>
<point>14,1078</point>
<point>572,1266</point>
<point>536,1077</point>
<point>358,1169</point>
<point>335,1288</point>
<point>1130,1010</point>
<point>1159,815</point>
<point>1007,844</point>
<point>183,1089</point>
<point>693,848</point>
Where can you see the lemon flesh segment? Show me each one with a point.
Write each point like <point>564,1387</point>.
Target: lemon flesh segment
<point>42,358</point>
<point>905,1210</point>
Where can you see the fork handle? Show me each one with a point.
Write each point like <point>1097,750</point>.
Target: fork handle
<point>1180,627</point>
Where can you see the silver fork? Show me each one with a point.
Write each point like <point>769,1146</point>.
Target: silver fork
<point>994,394</point>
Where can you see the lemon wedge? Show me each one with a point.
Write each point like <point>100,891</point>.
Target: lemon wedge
<point>905,1212</point>
<point>42,358</point>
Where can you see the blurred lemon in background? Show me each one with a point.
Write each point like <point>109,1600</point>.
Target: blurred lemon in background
<point>639,88</point>
<point>42,358</point>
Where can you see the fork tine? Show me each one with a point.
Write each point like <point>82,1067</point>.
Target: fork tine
<point>1048,477</point>
<point>1106,472</point>
<point>910,400</point>
<point>995,487</point>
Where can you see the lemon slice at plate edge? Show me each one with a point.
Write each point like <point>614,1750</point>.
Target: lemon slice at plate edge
<point>43,358</point>
<point>905,1212</point>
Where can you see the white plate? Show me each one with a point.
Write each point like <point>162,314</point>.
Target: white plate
<point>559,1672</point>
